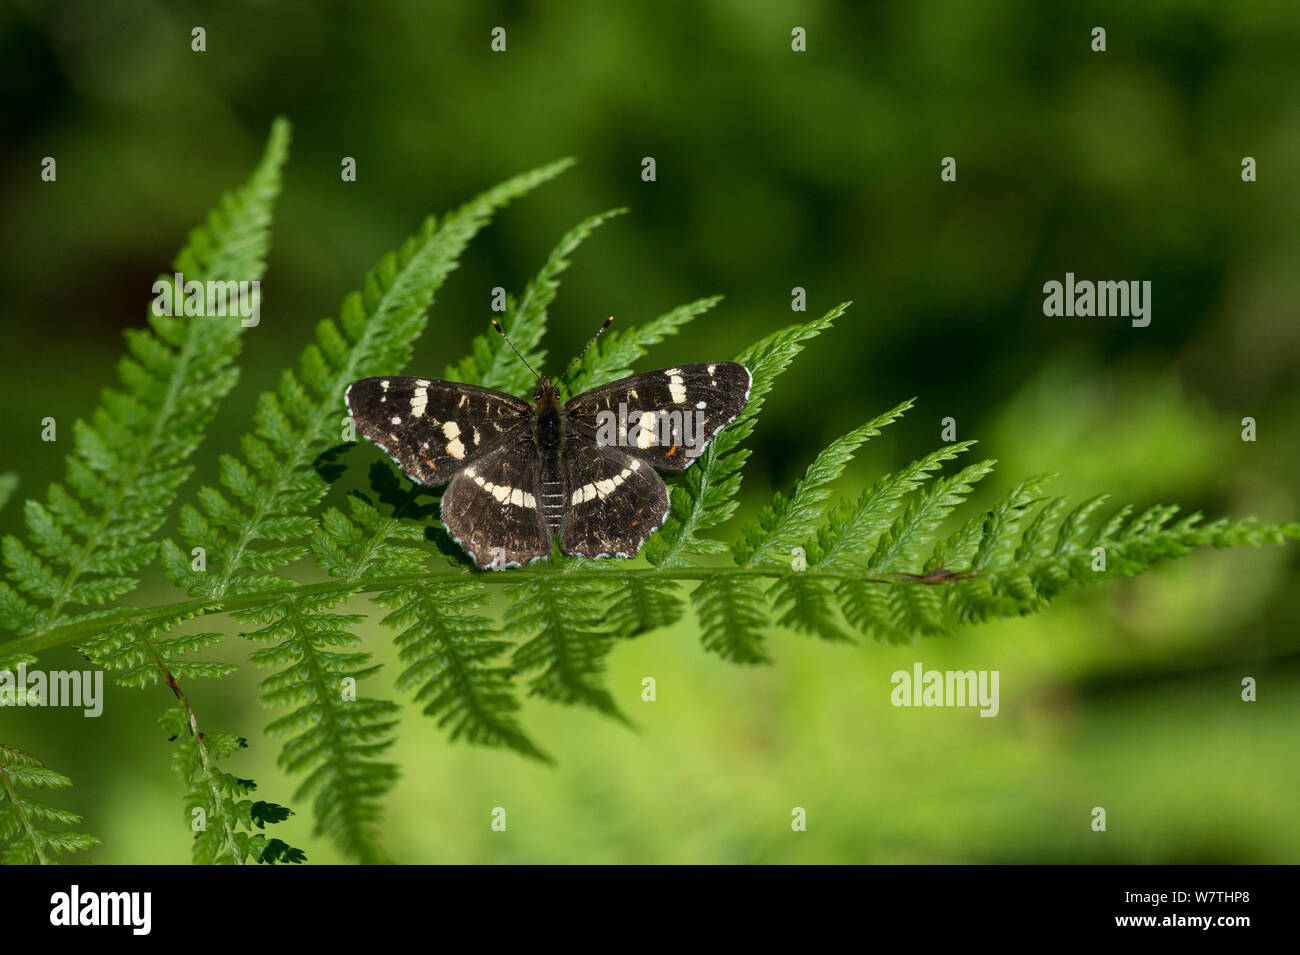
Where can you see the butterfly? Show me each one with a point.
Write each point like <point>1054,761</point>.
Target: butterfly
<point>521,474</point>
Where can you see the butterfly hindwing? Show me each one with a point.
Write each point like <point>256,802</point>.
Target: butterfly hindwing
<point>432,428</point>
<point>490,508</point>
<point>665,417</point>
<point>614,502</point>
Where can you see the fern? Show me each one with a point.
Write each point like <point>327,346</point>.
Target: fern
<point>90,535</point>
<point>261,522</point>
<point>491,364</point>
<point>612,356</point>
<point>223,821</point>
<point>897,561</point>
<point>24,838</point>
<point>567,639</point>
<point>124,474</point>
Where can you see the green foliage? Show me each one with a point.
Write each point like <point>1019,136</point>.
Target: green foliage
<point>92,534</point>
<point>567,638</point>
<point>223,822</point>
<point>896,562</point>
<point>262,521</point>
<point>335,735</point>
<point>614,353</point>
<point>452,659</point>
<point>24,836</point>
<point>491,363</point>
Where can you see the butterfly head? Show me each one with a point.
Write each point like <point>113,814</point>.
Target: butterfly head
<point>547,391</point>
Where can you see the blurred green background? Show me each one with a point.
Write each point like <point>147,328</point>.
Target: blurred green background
<point>775,169</point>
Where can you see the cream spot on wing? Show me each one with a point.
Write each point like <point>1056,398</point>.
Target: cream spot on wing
<point>632,393</point>
<point>418,402</point>
<point>501,492</point>
<point>423,382</point>
<point>397,419</point>
<point>605,487</point>
<point>646,437</point>
<point>470,472</point>
<point>700,405</point>
<point>451,429</point>
<point>711,367</point>
<point>464,400</point>
<point>634,466</point>
<point>476,440</point>
<point>455,448</point>
<point>384,384</point>
<point>517,497</point>
<point>677,389</point>
<point>589,492</point>
<point>673,371</point>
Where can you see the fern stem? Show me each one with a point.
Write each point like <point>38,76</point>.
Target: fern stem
<point>202,606</point>
<point>200,743</point>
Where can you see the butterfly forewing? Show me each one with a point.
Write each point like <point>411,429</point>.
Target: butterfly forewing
<point>433,428</point>
<point>667,417</point>
<point>614,502</point>
<point>491,507</point>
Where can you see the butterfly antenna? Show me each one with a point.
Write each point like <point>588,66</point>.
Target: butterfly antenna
<point>600,331</point>
<point>502,331</point>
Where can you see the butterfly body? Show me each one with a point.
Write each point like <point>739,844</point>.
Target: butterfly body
<point>519,474</point>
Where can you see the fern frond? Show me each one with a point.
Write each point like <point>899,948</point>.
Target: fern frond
<point>90,535</point>
<point>259,522</point>
<point>900,547</point>
<point>262,521</point>
<point>139,657</point>
<point>335,735</point>
<point>706,498</point>
<point>791,519</point>
<point>491,363</point>
<point>451,656</point>
<point>896,612</point>
<point>853,528</point>
<point>637,604</point>
<point>222,820</point>
<point>612,355</point>
<point>733,615</point>
<point>24,836</point>
<point>8,484</point>
<point>569,640</point>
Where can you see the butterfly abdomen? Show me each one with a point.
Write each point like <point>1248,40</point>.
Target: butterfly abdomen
<point>549,433</point>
